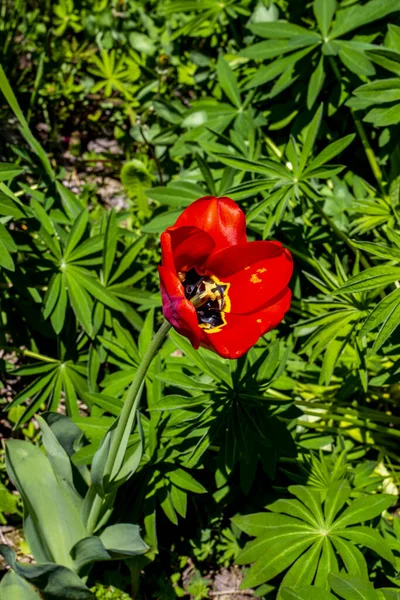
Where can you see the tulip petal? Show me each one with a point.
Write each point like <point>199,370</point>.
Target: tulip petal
<point>256,271</point>
<point>241,332</point>
<point>185,247</point>
<point>219,217</point>
<point>179,311</point>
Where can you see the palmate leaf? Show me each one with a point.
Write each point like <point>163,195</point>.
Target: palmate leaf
<point>306,592</point>
<point>310,537</point>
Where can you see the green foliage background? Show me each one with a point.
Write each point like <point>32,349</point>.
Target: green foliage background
<point>290,108</point>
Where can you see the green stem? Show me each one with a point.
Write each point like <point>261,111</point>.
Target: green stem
<point>29,353</point>
<point>131,404</point>
<point>377,171</point>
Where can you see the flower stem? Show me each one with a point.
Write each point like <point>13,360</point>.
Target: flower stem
<point>131,404</point>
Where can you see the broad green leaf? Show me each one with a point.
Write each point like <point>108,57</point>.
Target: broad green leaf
<point>364,509</point>
<point>123,539</point>
<point>303,570</point>
<point>14,587</point>
<point>386,58</point>
<point>265,167</point>
<point>328,153</point>
<point>310,498</point>
<point>26,132</point>
<point>295,509</point>
<point>263,524</point>
<point>57,316</point>
<point>368,537</point>
<point>110,245</point>
<point>52,294</point>
<point>324,11</point>
<point>52,521</point>
<point>351,556</point>
<point>370,278</point>
<point>273,48</point>
<point>95,288</point>
<point>185,481</point>
<point>386,314</point>
<point>383,117</point>
<point>310,138</point>
<point>306,592</point>
<point>327,564</point>
<point>228,82</point>
<point>76,233</point>
<point>315,85</point>
<point>349,587</point>
<point>336,496</point>
<point>279,557</point>
<point>279,30</point>
<point>358,15</point>
<point>277,67</point>
<point>80,301</point>
<point>54,580</point>
<point>9,171</point>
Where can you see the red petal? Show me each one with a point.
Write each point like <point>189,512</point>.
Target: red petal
<point>241,332</point>
<point>177,309</point>
<point>185,247</point>
<point>220,217</point>
<point>256,271</point>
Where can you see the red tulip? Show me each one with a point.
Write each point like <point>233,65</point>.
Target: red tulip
<point>219,290</point>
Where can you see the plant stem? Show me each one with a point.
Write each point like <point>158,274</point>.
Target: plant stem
<point>377,171</point>
<point>131,404</point>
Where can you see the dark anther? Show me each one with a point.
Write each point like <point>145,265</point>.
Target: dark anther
<point>209,313</point>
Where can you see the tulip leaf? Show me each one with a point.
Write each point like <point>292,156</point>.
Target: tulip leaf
<point>52,579</point>
<point>52,522</point>
<point>14,587</point>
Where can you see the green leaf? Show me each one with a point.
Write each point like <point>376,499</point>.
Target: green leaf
<point>80,300</point>
<point>386,314</point>
<point>356,61</point>
<point>53,580</point>
<point>110,245</point>
<point>52,295</point>
<point>311,499</point>
<point>185,481</point>
<point>386,58</point>
<point>277,67</point>
<point>26,132</point>
<point>303,570</point>
<point>279,30</point>
<point>52,522</point>
<point>324,11</point>
<point>351,556</point>
<point>370,538</point>
<point>95,288</point>
<point>369,279</point>
<point>228,82</point>
<point>306,592</point>
<point>273,48</point>
<point>76,233</point>
<point>358,15</point>
<point>123,540</point>
<point>9,171</point>
<point>280,556</point>
<point>383,117</point>
<point>328,153</point>
<point>266,167</point>
<point>14,587</point>
<point>310,138</point>
<point>336,496</point>
<point>364,509</point>
<point>315,85</point>
<point>352,588</point>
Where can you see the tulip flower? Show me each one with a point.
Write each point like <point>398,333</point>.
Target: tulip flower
<point>219,290</point>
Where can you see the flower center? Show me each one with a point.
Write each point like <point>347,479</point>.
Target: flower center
<point>210,298</point>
